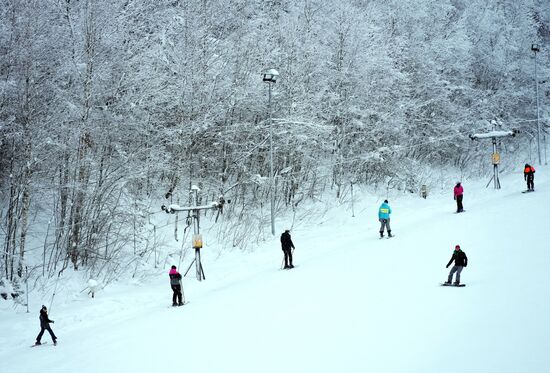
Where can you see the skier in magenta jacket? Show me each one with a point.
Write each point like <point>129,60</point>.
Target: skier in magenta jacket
<point>459,194</point>
<point>175,284</point>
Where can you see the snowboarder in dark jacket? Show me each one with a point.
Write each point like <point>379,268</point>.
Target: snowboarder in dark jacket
<point>45,325</point>
<point>529,176</point>
<point>461,261</point>
<point>287,246</point>
<point>175,284</point>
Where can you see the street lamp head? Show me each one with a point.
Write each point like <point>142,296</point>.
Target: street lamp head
<point>270,75</point>
<point>535,48</point>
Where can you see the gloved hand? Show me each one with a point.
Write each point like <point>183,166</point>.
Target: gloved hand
<point>447,266</point>
<point>53,322</point>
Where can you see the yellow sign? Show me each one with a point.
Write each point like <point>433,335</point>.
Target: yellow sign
<point>496,158</point>
<point>197,241</point>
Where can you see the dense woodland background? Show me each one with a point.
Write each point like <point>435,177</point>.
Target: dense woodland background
<point>107,107</point>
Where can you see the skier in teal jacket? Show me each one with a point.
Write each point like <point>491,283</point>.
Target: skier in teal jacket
<point>384,217</point>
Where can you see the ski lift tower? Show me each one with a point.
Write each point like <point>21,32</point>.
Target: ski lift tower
<point>493,135</point>
<point>195,215</point>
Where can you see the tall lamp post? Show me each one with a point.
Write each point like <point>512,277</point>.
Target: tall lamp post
<point>535,48</point>
<point>270,77</point>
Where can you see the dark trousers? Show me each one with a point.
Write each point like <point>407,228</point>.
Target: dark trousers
<point>530,182</point>
<point>176,297</point>
<point>288,257</point>
<point>459,207</point>
<point>39,337</point>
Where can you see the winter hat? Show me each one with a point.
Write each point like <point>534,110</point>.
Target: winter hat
<point>173,267</point>
<point>385,201</point>
<point>44,308</point>
<point>457,247</point>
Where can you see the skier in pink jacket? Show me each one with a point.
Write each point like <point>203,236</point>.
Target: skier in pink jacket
<point>459,194</point>
<point>175,283</point>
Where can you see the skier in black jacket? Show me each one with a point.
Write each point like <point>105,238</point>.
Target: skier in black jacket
<point>45,325</point>
<point>287,246</point>
<point>461,261</point>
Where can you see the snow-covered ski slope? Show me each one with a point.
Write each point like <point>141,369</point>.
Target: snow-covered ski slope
<point>354,303</point>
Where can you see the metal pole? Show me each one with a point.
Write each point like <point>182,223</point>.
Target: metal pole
<point>544,141</point>
<point>495,166</point>
<point>196,231</point>
<point>538,116</point>
<point>272,192</point>
<point>27,286</point>
<point>352,210</point>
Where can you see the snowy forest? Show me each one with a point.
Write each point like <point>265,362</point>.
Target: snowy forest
<point>109,109</point>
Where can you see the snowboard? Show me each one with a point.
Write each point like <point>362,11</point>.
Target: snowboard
<point>527,191</point>
<point>184,304</point>
<point>388,237</point>
<point>43,343</point>
<point>456,286</point>
<point>287,269</point>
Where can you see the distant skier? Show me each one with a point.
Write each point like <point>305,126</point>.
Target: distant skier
<point>461,261</point>
<point>175,283</point>
<point>384,212</point>
<point>529,176</point>
<point>288,246</point>
<point>45,325</point>
<point>459,195</point>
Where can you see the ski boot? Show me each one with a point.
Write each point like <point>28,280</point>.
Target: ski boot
<point>389,234</point>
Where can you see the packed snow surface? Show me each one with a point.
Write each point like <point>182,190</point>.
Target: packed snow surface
<point>354,303</point>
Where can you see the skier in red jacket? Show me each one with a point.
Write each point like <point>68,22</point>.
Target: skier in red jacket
<point>529,176</point>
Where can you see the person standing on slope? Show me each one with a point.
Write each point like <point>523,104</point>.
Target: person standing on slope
<point>529,176</point>
<point>459,194</point>
<point>45,325</point>
<point>461,261</point>
<point>384,212</point>
<point>288,246</point>
<point>175,284</point>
